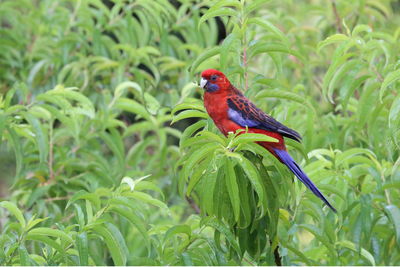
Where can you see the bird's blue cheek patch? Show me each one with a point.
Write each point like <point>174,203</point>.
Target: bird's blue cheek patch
<point>212,87</point>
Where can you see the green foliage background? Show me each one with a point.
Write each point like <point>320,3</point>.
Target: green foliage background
<point>108,156</point>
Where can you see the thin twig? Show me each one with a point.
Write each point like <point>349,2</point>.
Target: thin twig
<point>51,155</point>
<point>246,78</point>
<point>378,75</point>
<point>193,205</point>
<point>278,258</point>
<point>57,198</point>
<point>338,20</point>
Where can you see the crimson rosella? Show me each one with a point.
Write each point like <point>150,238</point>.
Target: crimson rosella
<point>231,110</point>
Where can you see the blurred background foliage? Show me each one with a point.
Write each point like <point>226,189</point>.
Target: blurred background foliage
<point>109,158</point>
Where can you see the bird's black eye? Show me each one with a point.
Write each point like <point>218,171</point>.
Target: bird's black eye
<point>213,78</point>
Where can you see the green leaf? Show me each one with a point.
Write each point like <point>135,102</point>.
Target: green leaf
<point>252,137</point>
<point>232,186</point>
<point>121,88</point>
<point>202,57</point>
<point>283,94</point>
<point>197,156</point>
<point>262,47</point>
<point>189,105</point>
<point>198,174</point>
<point>177,229</point>
<point>389,80</point>
<point>300,254</point>
<point>45,231</point>
<point>336,38</point>
<point>217,225</point>
<point>394,113</point>
<point>350,66</point>
<point>82,245</point>
<point>92,197</point>
<point>40,136</point>
<point>365,253</point>
<point>254,178</point>
<point>226,47</point>
<point>3,120</point>
<point>13,209</point>
<point>17,145</point>
<point>46,240</point>
<point>220,12</point>
<point>133,219</point>
<point>189,114</point>
<point>24,259</point>
<point>132,106</point>
<point>115,242</point>
<point>320,237</point>
<point>33,222</point>
<point>265,24</point>
<point>210,136</point>
<point>147,199</point>
<point>69,93</point>
<point>393,212</point>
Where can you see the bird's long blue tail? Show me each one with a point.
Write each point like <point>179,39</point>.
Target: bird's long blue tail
<point>292,165</point>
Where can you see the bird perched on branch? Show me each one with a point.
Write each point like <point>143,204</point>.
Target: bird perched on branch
<point>231,111</point>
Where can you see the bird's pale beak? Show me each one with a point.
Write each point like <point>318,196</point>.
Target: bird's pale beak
<point>203,83</point>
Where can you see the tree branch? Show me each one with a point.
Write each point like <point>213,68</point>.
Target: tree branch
<point>338,20</point>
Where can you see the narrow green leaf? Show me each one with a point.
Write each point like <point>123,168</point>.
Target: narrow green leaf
<point>132,106</point>
<point>365,253</point>
<point>198,174</point>
<point>189,114</point>
<point>187,105</point>
<point>17,145</point>
<point>394,113</point>
<point>46,240</point>
<point>265,24</point>
<point>263,47</point>
<point>147,199</point>
<point>254,178</point>
<point>204,56</point>
<point>283,94</point>
<point>220,12</point>
<point>24,259</point>
<point>226,47</point>
<point>300,254</point>
<point>336,38</point>
<point>82,245</point>
<point>348,68</point>
<point>252,137</point>
<point>14,210</point>
<point>115,242</point>
<point>197,156</point>
<point>177,229</point>
<point>40,136</point>
<point>224,230</point>
<point>232,186</point>
<point>33,222</point>
<point>393,213</point>
<point>121,88</point>
<point>189,131</point>
<point>3,120</point>
<point>45,231</point>
<point>133,219</point>
<point>389,80</point>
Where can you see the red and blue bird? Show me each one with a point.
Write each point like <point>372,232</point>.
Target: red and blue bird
<point>231,111</point>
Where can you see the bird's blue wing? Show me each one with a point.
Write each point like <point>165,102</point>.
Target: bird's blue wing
<point>243,112</point>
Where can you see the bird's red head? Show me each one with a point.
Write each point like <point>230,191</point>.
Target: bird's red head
<point>214,81</point>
